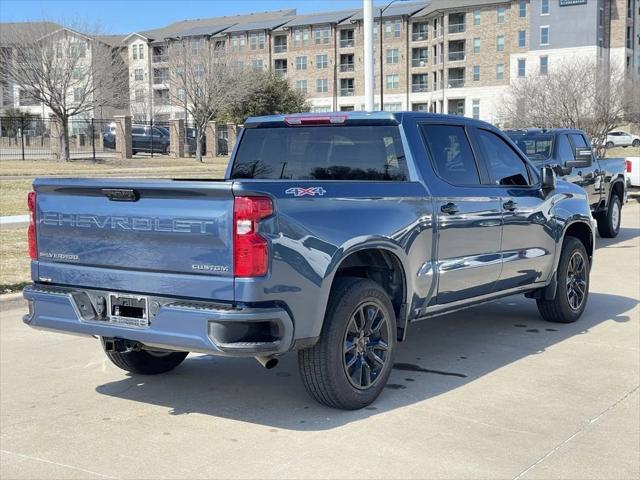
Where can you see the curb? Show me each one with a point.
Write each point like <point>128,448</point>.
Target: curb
<point>10,300</point>
<point>13,221</point>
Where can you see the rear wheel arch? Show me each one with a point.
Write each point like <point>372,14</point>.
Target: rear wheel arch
<point>383,266</point>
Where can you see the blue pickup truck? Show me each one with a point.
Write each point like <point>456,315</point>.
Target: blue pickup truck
<point>329,236</point>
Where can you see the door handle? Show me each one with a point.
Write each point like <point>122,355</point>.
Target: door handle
<point>450,208</point>
<point>510,205</point>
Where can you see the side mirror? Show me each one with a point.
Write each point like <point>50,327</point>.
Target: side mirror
<point>548,178</point>
<point>583,158</point>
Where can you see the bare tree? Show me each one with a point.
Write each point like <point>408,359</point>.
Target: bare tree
<point>206,82</point>
<point>70,72</point>
<point>578,93</point>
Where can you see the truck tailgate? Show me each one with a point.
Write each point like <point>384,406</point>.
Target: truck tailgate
<point>153,236</point>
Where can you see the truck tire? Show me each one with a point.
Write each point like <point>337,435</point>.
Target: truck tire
<point>145,362</point>
<point>609,221</point>
<point>573,285</point>
<point>352,361</point>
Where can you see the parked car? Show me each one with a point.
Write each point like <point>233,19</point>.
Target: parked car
<point>109,136</point>
<point>569,152</point>
<point>149,139</point>
<point>190,141</point>
<point>330,236</point>
<point>622,139</point>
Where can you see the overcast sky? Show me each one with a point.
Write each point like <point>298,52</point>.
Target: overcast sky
<point>122,16</point>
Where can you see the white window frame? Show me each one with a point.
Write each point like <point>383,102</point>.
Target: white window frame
<point>542,3</point>
<point>500,16</point>
<point>322,85</point>
<point>524,44</point>
<point>546,72</point>
<point>321,65</point>
<point>542,27</point>
<point>524,60</point>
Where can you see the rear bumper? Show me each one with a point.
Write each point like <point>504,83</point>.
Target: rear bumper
<point>175,324</point>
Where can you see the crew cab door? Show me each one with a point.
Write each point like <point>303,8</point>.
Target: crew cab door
<point>469,219</point>
<point>589,178</point>
<point>527,244</point>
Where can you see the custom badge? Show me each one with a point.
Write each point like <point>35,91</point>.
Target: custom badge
<point>303,192</point>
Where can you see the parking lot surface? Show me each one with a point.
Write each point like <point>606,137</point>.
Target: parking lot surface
<point>491,392</point>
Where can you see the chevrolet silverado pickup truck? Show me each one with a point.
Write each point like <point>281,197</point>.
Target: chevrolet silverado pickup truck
<point>569,153</point>
<point>329,236</point>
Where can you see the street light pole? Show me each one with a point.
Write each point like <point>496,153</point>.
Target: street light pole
<point>368,54</point>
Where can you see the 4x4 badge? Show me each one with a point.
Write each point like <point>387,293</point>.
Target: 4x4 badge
<point>303,192</point>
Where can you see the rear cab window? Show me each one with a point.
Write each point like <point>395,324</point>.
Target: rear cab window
<point>323,152</point>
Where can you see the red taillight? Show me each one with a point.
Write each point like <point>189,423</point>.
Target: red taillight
<point>31,232</point>
<point>628,162</point>
<point>250,249</point>
<point>316,120</point>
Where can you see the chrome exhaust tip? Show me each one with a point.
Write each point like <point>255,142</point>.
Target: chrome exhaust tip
<point>268,362</point>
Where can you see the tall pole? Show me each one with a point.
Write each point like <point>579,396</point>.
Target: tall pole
<point>381,63</point>
<point>368,54</point>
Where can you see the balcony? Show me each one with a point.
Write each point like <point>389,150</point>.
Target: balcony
<point>419,87</point>
<point>160,58</point>
<point>420,62</point>
<point>419,36</point>
<point>347,43</point>
<point>456,56</point>
<point>456,28</point>
<point>455,83</point>
<point>279,48</point>
<point>347,92</point>
<point>347,67</point>
<point>280,71</point>
<point>161,80</point>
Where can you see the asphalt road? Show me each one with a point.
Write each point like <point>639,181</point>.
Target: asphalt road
<point>505,395</point>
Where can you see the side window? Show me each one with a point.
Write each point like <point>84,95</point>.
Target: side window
<point>578,140</point>
<point>137,131</point>
<point>505,166</point>
<point>451,153</point>
<point>565,152</point>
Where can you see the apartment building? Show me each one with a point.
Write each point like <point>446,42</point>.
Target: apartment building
<point>450,56</point>
<point>64,42</point>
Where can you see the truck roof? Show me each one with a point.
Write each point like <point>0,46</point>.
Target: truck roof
<point>354,118</point>
<point>552,131</point>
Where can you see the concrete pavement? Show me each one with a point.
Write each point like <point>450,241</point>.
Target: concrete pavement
<point>516,397</point>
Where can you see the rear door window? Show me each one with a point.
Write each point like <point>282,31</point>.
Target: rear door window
<point>451,153</point>
<point>344,152</point>
<point>505,166</point>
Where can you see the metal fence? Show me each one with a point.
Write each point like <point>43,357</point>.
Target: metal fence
<point>24,138</point>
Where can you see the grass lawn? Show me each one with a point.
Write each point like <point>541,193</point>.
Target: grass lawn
<point>13,191</point>
<point>14,260</point>
<point>623,152</point>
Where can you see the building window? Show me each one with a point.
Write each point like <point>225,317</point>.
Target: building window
<point>475,109</point>
<point>419,82</point>
<point>544,7</point>
<point>301,86</point>
<point>196,46</point>
<point>544,35</point>
<point>141,52</point>
<point>419,31</point>
<point>301,63</point>
<point>476,45</point>
<point>393,81</point>
<point>522,67</point>
<point>257,65</point>
<point>280,44</point>
<point>301,37</point>
<point>321,109</point>
<point>280,66</point>
<point>522,38</point>
<point>500,71</point>
<point>139,95</point>
<point>476,17</point>
<point>138,75</point>
<point>500,43</point>
<point>347,87</point>
<point>346,38</point>
<point>476,73</point>
<point>237,42</point>
<point>392,107</point>
<point>544,65</point>
<point>76,74</point>
<point>321,35</point>
<point>392,55</point>
<point>522,8</point>
<point>392,28</point>
<point>322,61</point>
<point>419,57</point>
<point>77,94</point>
<point>322,85</point>
<point>501,14</point>
<point>180,94</point>
<point>134,52</point>
<point>256,40</point>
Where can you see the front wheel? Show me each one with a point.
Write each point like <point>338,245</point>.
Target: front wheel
<point>573,285</point>
<point>146,362</point>
<point>352,361</point>
<point>636,143</point>
<point>609,221</point>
